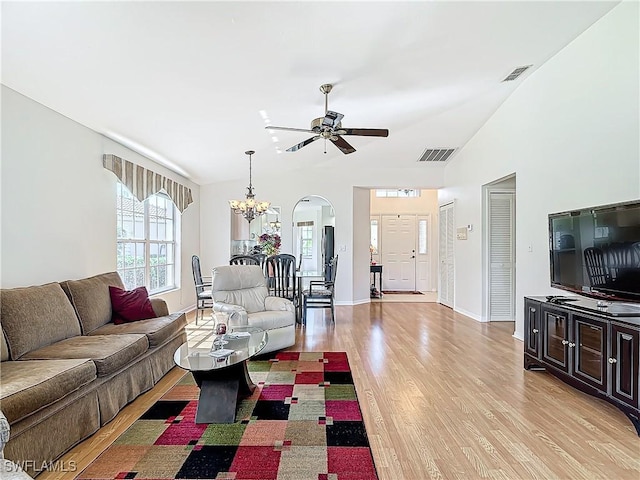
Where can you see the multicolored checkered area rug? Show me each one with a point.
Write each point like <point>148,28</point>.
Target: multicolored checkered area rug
<point>303,422</point>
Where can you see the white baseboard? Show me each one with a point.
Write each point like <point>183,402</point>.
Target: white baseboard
<point>477,318</point>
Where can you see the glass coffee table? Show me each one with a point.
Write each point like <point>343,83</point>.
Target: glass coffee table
<point>222,379</point>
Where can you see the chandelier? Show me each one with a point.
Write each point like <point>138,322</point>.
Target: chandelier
<point>249,208</point>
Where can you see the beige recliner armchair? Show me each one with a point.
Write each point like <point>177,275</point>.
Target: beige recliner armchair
<point>241,291</point>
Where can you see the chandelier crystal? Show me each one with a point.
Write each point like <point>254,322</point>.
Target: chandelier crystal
<point>249,208</point>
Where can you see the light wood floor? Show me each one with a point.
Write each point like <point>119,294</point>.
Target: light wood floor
<point>444,396</point>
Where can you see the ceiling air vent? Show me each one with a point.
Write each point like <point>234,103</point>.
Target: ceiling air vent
<point>516,73</point>
<point>436,154</point>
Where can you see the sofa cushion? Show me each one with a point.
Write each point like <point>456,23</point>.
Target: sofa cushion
<point>270,319</point>
<point>91,300</point>
<point>160,307</point>
<point>110,353</point>
<point>28,386</point>
<point>33,317</point>
<point>130,305</point>
<point>158,330</point>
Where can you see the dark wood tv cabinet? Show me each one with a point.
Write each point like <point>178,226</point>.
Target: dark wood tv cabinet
<point>587,347</point>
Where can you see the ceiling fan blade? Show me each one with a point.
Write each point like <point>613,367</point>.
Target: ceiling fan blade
<point>365,132</point>
<point>342,144</point>
<point>332,119</point>
<point>303,144</point>
<point>271,127</point>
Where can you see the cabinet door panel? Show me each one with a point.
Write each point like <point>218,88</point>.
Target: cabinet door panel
<point>532,328</point>
<point>556,338</point>
<point>624,362</point>
<point>590,351</point>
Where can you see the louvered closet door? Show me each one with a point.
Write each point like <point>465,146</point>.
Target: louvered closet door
<point>501,256</point>
<point>446,255</point>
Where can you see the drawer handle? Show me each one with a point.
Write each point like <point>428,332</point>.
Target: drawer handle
<point>535,330</point>
<point>572,345</point>
<point>613,360</point>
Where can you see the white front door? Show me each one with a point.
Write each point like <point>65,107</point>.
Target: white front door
<point>398,240</point>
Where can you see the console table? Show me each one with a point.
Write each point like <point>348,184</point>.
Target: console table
<point>376,270</point>
<point>593,348</point>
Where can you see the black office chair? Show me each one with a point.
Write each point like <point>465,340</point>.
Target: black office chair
<point>244,260</point>
<point>204,298</point>
<point>321,292</point>
<point>281,276</point>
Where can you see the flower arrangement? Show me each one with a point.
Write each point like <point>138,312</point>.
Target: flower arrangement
<point>269,243</point>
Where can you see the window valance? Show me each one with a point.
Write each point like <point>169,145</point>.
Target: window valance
<point>143,183</point>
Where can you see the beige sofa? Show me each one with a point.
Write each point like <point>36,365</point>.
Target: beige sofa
<point>67,369</point>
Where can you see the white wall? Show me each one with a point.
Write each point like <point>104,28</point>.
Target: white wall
<point>571,135</point>
<point>58,202</point>
<point>338,187</point>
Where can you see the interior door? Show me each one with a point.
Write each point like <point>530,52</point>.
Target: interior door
<point>501,256</point>
<point>398,240</point>
<point>446,255</point>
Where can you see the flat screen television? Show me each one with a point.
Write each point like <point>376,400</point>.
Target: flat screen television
<point>596,251</point>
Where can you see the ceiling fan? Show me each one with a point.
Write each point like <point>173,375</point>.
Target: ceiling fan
<point>330,127</point>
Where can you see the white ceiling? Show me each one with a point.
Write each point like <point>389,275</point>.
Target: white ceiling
<point>185,83</point>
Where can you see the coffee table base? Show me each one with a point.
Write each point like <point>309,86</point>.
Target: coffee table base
<point>219,392</point>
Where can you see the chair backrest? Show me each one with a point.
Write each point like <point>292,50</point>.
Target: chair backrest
<point>197,274</point>
<point>262,259</point>
<point>242,285</point>
<point>281,275</point>
<point>244,260</point>
<point>596,267</point>
<point>333,270</point>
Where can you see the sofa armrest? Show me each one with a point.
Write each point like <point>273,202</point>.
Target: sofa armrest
<point>237,314</point>
<point>278,303</point>
<point>160,307</point>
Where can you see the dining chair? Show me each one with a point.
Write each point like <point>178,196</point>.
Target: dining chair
<point>281,275</point>
<point>244,260</point>
<point>262,259</point>
<point>320,293</point>
<point>204,298</point>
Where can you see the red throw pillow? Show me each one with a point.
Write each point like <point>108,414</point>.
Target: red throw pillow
<point>130,305</point>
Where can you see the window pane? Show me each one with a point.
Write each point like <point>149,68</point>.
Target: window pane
<point>154,279</point>
<point>120,256</point>
<point>162,276</point>
<point>168,233</point>
<point>139,262</point>
<point>140,277</point>
<point>374,235</point>
<point>129,279</point>
<point>153,228</point>
<point>422,237</point>
<point>138,228</point>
